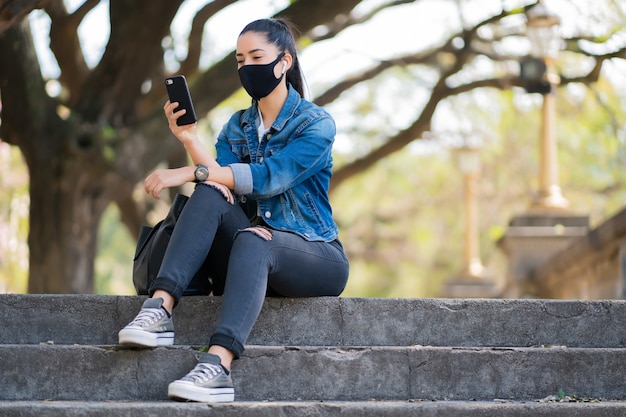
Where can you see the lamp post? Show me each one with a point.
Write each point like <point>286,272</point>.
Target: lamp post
<point>539,75</point>
<point>468,161</point>
<point>473,280</point>
<point>536,235</point>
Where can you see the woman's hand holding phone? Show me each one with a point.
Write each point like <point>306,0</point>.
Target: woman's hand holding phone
<point>184,133</point>
<point>178,92</point>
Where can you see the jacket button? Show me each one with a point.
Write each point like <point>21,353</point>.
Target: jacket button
<point>267,214</point>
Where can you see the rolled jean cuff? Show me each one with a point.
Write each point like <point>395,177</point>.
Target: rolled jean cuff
<point>168,286</point>
<point>243,178</point>
<point>227,342</point>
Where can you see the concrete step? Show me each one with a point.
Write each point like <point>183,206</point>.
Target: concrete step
<point>92,319</point>
<point>112,373</point>
<point>304,408</point>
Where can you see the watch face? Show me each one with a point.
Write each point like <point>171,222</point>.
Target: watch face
<point>201,173</point>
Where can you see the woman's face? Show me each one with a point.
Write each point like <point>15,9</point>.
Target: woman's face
<point>253,48</point>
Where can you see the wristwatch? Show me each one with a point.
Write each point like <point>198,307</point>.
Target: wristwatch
<point>201,173</point>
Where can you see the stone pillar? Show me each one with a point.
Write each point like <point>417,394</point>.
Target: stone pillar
<point>531,239</point>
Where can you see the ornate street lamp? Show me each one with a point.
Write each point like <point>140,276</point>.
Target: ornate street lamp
<point>543,31</point>
<point>547,227</point>
<point>473,280</point>
<point>538,76</point>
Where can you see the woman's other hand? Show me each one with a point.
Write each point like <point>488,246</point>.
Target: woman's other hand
<point>224,190</point>
<point>165,178</point>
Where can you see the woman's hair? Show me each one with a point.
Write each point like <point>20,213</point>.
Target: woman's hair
<point>281,33</point>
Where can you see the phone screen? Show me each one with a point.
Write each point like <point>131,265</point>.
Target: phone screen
<point>178,92</point>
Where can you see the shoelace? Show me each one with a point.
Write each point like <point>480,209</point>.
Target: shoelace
<point>203,372</point>
<point>147,316</point>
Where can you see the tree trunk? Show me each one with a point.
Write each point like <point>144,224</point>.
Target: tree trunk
<point>64,218</point>
<point>67,174</point>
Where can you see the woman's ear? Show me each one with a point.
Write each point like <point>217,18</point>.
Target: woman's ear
<point>288,60</point>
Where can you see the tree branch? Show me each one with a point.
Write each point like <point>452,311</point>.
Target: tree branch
<point>65,44</point>
<point>334,27</point>
<point>27,111</point>
<point>12,11</point>
<point>594,73</point>
<point>129,45</point>
<point>335,91</point>
<point>189,66</point>
<point>440,91</point>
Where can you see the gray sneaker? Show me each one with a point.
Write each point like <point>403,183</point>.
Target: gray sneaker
<point>207,382</point>
<point>152,327</point>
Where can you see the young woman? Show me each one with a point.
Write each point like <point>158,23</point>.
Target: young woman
<point>260,214</point>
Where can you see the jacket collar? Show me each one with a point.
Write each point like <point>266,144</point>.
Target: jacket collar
<point>289,108</point>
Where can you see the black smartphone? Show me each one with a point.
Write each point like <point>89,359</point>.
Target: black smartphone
<point>178,91</point>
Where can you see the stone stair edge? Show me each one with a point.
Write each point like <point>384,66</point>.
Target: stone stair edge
<point>200,348</point>
<point>337,321</point>
<point>432,373</point>
<point>563,308</point>
<point>504,408</point>
<point>442,300</point>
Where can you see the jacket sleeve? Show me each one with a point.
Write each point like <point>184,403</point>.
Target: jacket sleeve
<point>231,146</point>
<point>308,151</point>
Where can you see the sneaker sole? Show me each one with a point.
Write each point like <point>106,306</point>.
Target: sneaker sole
<point>142,338</point>
<point>186,392</point>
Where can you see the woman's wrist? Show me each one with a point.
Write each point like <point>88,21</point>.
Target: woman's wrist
<point>192,173</point>
<point>189,141</point>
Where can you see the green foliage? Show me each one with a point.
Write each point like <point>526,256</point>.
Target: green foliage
<point>14,206</point>
<point>402,221</point>
<point>393,224</point>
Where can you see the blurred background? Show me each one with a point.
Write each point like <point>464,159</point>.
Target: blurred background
<point>461,123</point>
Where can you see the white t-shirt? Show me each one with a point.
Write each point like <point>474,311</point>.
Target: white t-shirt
<point>261,130</point>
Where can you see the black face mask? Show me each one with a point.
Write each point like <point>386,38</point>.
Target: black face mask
<point>259,79</point>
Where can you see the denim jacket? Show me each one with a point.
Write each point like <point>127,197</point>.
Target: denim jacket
<point>288,173</point>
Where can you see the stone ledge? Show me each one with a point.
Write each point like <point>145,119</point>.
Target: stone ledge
<point>95,319</point>
<point>500,408</point>
<point>110,373</point>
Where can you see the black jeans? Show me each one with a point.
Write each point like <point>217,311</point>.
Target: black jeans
<point>210,231</point>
